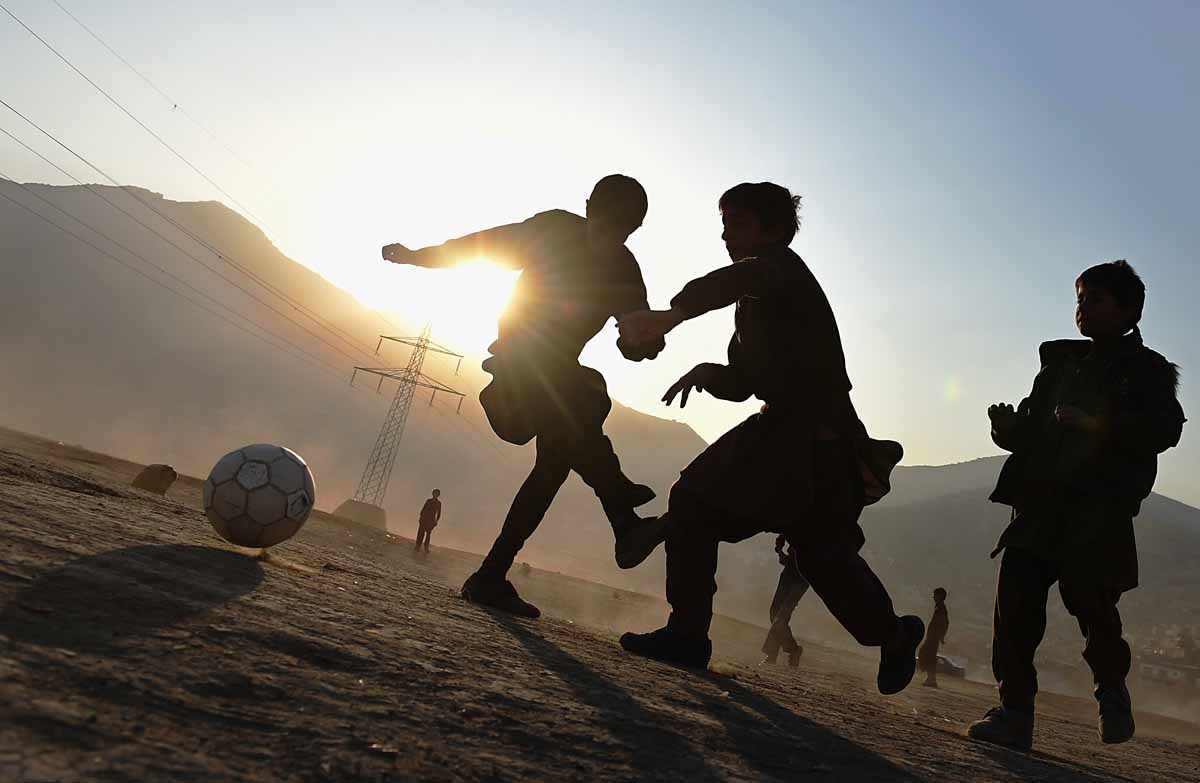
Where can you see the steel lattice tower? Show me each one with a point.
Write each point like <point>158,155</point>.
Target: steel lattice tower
<point>374,483</point>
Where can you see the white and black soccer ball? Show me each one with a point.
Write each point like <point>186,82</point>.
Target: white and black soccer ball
<point>259,495</point>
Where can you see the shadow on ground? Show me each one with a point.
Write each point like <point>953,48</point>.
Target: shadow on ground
<point>95,604</point>
<point>773,742</point>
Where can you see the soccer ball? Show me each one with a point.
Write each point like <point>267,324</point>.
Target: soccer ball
<point>259,495</point>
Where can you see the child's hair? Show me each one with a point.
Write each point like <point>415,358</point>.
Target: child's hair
<point>621,197</point>
<point>437,492</point>
<point>939,594</point>
<point>1118,279</point>
<point>774,205</point>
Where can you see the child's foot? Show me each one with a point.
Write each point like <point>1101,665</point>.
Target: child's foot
<point>640,495</point>
<point>930,683</point>
<point>637,538</point>
<point>497,594</point>
<point>1116,714</point>
<point>794,657</point>
<point>898,658</point>
<point>670,647</point>
<point>769,660</point>
<point>1004,726</point>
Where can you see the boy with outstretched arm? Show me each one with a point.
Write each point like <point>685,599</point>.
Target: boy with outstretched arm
<point>1085,446</point>
<point>576,274</point>
<point>803,466</point>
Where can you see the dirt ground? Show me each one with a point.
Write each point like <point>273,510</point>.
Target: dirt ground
<point>136,646</point>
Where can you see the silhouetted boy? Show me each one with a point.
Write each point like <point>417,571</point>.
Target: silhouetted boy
<point>803,466</point>
<point>577,273</point>
<point>791,588</point>
<point>1085,446</point>
<point>431,512</point>
<point>935,635</point>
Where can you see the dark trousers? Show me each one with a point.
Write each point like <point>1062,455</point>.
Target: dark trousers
<point>423,534</point>
<point>559,451</point>
<point>1020,623</point>
<point>825,539</point>
<point>792,587</point>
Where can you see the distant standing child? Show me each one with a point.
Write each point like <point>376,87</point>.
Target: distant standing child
<point>431,512</point>
<point>935,635</point>
<point>1085,447</point>
<point>791,588</point>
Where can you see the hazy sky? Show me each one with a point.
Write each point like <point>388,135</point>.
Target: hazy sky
<point>959,164</point>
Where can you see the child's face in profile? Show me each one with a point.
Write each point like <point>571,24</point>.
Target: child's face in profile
<point>744,234</point>
<point>1098,314</point>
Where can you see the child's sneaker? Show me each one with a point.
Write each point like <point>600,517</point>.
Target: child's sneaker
<point>497,594</point>
<point>1116,714</point>
<point>898,658</point>
<point>1004,726</point>
<point>670,647</point>
<point>794,657</point>
<point>637,538</point>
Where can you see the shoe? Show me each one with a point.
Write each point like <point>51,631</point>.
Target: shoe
<point>930,683</point>
<point>497,594</point>
<point>1003,726</point>
<point>898,658</point>
<point>794,657</point>
<point>769,660</point>
<point>631,495</point>
<point>1116,714</point>
<point>670,647</point>
<point>638,538</point>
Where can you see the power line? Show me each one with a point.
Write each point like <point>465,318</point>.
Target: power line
<point>130,114</point>
<point>179,155</point>
<point>228,260</point>
<point>286,343</point>
<point>323,366</point>
<point>175,106</point>
<point>161,141</point>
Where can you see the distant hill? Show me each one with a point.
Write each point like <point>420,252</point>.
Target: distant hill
<point>97,355</point>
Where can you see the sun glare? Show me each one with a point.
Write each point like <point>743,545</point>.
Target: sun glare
<point>463,303</point>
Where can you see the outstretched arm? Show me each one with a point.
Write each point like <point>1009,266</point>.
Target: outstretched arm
<point>632,299</point>
<point>719,288</point>
<point>501,245</point>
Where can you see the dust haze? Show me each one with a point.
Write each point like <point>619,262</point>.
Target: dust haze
<point>98,356</point>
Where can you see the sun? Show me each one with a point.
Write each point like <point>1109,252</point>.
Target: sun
<point>463,302</point>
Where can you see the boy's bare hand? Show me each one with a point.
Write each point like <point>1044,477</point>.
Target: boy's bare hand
<point>696,378</point>
<point>1003,417</point>
<point>1076,419</point>
<point>397,254</point>
<point>648,326</point>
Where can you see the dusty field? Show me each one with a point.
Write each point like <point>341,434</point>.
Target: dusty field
<point>135,646</point>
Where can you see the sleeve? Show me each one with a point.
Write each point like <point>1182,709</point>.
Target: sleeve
<point>1016,439</point>
<point>722,287</point>
<point>727,381</point>
<point>630,297</point>
<point>1149,418</point>
<point>504,245</point>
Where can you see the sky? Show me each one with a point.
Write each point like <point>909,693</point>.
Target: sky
<point>959,164</point>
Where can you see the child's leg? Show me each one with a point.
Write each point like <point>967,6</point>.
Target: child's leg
<point>831,563</point>
<point>852,593</point>
<point>1019,624</point>
<point>533,499</point>
<point>1095,608</point>
<point>692,559</point>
